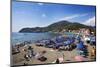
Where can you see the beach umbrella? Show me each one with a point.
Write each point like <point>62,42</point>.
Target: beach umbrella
<point>57,45</point>
<point>93,40</point>
<point>46,42</point>
<point>78,38</point>
<point>87,38</point>
<point>79,58</point>
<point>59,39</point>
<point>68,42</point>
<point>80,45</point>
<point>72,40</point>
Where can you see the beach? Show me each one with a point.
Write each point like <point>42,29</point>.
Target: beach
<point>52,48</point>
<point>50,54</point>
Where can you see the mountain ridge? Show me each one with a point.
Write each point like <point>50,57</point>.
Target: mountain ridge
<point>56,27</point>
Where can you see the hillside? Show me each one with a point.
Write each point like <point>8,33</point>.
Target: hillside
<point>57,27</point>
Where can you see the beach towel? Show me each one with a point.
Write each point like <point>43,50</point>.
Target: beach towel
<point>42,58</point>
<point>61,59</point>
<point>79,58</point>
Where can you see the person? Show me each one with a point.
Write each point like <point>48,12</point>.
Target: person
<point>15,50</point>
<point>25,64</point>
<point>30,48</point>
<point>85,52</point>
<point>57,61</point>
<point>26,57</point>
<point>93,52</point>
<point>31,52</point>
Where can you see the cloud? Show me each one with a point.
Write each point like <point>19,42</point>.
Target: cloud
<point>90,21</point>
<point>69,17</point>
<point>72,17</point>
<point>40,4</point>
<point>43,15</point>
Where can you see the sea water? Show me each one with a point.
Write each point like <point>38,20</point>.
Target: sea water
<point>21,37</point>
<point>33,37</point>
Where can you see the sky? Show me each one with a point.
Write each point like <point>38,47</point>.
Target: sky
<point>35,14</point>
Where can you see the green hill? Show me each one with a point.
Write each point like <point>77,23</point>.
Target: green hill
<point>57,27</point>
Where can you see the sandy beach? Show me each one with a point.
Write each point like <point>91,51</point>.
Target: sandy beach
<point>51,55</point>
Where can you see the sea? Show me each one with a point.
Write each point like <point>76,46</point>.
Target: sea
<point>33,37</point>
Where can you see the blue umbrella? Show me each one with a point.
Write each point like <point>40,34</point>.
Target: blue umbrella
<point>68,42</point>
<point>61,39</point>
<point>80,45</point>
<point>57,45</point>
<point>93,40</point>
<point>78,38</point>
